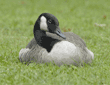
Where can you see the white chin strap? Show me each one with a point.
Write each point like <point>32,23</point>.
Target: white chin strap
<point>43,24</point>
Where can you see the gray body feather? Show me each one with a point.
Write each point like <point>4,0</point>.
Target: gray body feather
<point>35,53</point>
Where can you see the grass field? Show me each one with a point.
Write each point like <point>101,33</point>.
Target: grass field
<point>17,18</point>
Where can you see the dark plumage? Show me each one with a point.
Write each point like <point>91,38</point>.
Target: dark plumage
<point>63,48</point>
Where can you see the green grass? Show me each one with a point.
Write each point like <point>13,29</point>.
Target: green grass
<point>17,18</point>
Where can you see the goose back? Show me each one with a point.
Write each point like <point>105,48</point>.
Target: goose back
<point>38,54</point>
<point>71,37</point>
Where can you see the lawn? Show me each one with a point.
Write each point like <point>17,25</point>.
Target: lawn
<point>83,17</point>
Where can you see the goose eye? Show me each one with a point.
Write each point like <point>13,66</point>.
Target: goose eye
<point>49,21</point>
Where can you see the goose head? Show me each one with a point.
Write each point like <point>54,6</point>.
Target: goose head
<point>47,22</point>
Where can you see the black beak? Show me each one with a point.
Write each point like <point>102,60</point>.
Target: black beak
<point>59,33</point>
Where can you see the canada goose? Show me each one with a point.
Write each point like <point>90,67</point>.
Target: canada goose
<point>50,45</point>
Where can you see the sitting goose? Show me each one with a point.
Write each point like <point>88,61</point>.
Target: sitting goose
<point>50,45</point>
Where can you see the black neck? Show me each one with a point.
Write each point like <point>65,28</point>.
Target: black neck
<point>43,40</point>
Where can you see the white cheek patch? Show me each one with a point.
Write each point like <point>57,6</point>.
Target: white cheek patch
<point>43,24</point>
